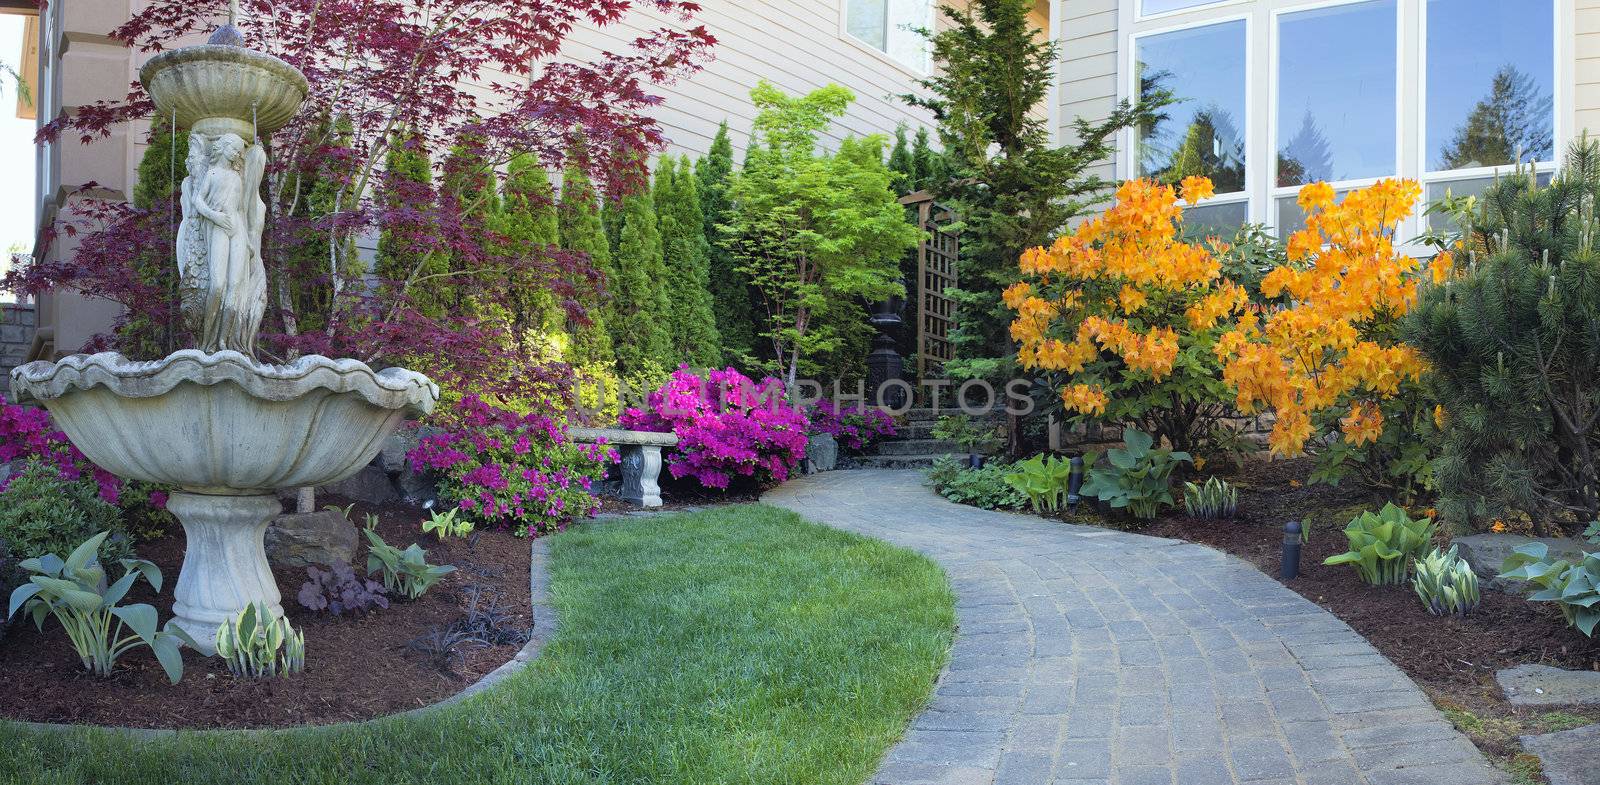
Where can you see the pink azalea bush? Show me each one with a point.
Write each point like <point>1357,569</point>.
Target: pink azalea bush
<point>854,426</point>
<point>516,471</point>
<point>26,434</point>
<point>728,427</point>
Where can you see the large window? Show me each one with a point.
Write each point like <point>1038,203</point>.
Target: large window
<point>890,26</point>
<point>1274,94</point>
<point>1202,133</point>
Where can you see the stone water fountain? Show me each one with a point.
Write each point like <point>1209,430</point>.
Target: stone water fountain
<point>224,429</point>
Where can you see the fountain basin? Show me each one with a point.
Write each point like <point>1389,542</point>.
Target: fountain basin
<point>228,432</point>
<point>221,423</point>
<point>216,88</point>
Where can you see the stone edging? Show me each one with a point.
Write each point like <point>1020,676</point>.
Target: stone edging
<point>544,630</point>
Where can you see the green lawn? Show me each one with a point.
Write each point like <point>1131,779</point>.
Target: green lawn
<point>739,645</point>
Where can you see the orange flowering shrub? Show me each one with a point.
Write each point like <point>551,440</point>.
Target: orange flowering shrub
<point>1124,316</point>
<point>1329,363</point>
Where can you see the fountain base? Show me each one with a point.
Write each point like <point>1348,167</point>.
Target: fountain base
<point>224,564</point>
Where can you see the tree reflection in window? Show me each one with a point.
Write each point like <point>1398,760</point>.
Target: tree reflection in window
<point>1203,69</point>
<point>1306,157</point>
<point>1510,124</point>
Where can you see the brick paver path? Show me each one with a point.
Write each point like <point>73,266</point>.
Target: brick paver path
<point>1091,656</point>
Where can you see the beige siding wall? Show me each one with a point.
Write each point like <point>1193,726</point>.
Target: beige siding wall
<point>799,45</point>
<point>1088,89</point>
<point>1586,66</point>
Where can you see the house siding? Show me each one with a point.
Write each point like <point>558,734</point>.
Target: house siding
<point>1585,28</point>
<point>1089,72</point>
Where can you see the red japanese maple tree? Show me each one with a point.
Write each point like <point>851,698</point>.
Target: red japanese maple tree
<point>434,72</point>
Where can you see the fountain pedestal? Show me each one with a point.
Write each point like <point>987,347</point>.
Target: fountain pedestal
<point>224,563</point>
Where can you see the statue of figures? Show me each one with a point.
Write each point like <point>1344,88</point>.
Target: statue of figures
<point>228,208</point>
<point>194,273</point>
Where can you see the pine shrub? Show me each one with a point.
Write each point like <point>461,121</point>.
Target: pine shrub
<point>1513,338</point>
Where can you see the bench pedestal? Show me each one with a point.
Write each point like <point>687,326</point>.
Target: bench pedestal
<point>641,474</point>
<point>640,453</point>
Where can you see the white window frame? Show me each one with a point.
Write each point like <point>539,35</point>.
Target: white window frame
<point>1129,145</point>
<point>1261,69</point>
<point>916,69</point>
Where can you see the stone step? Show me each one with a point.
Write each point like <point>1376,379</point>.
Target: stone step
<point>927,413</point>
<point>918,447</point>
<point>897,461</point>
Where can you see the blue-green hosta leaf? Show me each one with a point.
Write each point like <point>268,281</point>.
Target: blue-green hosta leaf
<point>1585,620</point>
<point>21,595</point>
<point>118,590</point>
<point>83,554</point>
<point>149,570</point>
<point>165,647</point>
<point>69,593</point>
<point>48,564</point>
<point>140,618</point>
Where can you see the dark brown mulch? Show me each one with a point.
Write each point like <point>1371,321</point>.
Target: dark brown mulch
<point>1454,660</point>
<point>356,669</point>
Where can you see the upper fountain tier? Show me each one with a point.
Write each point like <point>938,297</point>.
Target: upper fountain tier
<point>222,87</point>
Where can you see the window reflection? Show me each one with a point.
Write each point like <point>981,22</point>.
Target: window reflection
<point>1490,75</point>
<point>890,26</point>
<point>1203,68</point>
<point>1336,93</point>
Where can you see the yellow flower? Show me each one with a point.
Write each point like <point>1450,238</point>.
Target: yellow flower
<point>1499,527</point>
<point>1196,188</point>
<point>1316,196</point>
<point>1131,299</point>
<point>1439,416</point>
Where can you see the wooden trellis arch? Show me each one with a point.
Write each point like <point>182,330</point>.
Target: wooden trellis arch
<point>936,258</point>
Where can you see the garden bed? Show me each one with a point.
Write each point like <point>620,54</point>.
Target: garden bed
<point>356,668</point>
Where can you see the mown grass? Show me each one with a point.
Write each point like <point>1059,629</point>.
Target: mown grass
<point>738,645</point>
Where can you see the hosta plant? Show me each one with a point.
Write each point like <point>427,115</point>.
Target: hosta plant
<point>1044,480</point>
<point>444,524</point>
<point>1446,584</point>
<point>255,645</point>
<point>1136,477</point>
<point>1383,544</point>
<point>75,592</point>
<point>1215,499</point>
<point>406,572</point>
<point>1573,587</point>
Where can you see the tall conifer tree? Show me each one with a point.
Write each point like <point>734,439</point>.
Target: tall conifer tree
<point>731,298</point>
<point>640,333</point>
<point>581,230</point>
<point>683,238</point>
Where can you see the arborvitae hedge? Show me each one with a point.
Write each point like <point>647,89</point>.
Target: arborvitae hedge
<point>683,239</point>
<point>731,298</point>
<point>582,231</point>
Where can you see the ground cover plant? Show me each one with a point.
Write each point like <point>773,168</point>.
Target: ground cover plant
<point>862,630</point>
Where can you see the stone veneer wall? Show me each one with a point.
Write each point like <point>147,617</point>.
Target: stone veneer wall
<point>16,335</point>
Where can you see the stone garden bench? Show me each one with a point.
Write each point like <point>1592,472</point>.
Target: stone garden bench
<point>641,459</point>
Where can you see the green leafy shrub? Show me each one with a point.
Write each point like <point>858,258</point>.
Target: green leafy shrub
<point>1215,499</point>
<point>985,488</point>
<point>1574,588</point>
<point>255,645</point>
<point>1446,584</point>
<point>406,572</point>
<point>75,593</point>
<point>1044,480</point>
<point>1383,544</point>
<point>971,437</point>
<point>41,513</point>
<point>1136,477</point>
<point>1513,343</point>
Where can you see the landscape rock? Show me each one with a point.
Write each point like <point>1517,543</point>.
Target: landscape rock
<point>371,485</point>
<point>822,453</point>
<point>1542,685</point>
<point>392,458</point>
<point>304,539</point>
<point>1486,552</point>
<point>1570,757</point>
<point>417,488</point>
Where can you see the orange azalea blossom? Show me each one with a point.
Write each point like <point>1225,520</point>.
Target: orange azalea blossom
<point>1329,346</point>
<point>1114,301</point>
<point>1084,399</point>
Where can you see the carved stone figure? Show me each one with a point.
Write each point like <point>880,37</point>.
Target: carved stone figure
<point>224,277</point>
<point>194,274</point>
